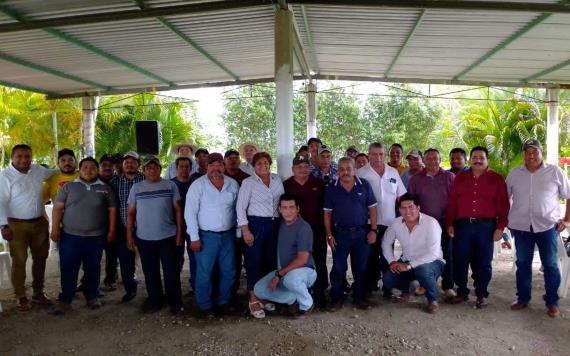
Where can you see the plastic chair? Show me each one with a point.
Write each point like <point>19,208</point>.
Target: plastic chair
<point>564,262</point>
<point>5,262</point>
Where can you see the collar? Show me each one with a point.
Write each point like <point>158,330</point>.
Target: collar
<point>419,219</point>
<point>89,185</point>
<point>542,166</point>
<point>357,181</point>
<point>424,172</point>
<point>13,169</point>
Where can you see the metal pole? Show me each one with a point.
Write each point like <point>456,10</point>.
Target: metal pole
<point>311,110</point>
<point>55,139</point>
<point>284,90</point>
<point>552,125</point>
<point>90,104</point>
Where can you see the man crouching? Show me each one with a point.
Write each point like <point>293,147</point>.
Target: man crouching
<point>295,273</point>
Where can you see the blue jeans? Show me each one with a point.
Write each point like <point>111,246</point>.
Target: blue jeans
<point>153,255</point>
<point>547,248</point>
<point>75,250</point>
<point>355,244</point>
<point>427,274</point>
<point>261,258</point>
<point>473,242</point>
<point>293,287</point>
<point>218,249</point>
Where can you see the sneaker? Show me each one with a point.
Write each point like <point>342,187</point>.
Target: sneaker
<point>23,304</point>
<point>431,307</point>
<point>518,305</point>
<point>128,297</point>
<point>61,308</point>
<point>94,304</point>
<point>41,298</point>
<point>481,303</point>
<point>553,312</point>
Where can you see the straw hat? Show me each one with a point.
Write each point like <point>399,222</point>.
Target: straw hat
<point>244,145</point>
<point>177,147</point>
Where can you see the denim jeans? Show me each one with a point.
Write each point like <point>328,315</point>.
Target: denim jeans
<point>547,248</point>
<point>153,255</point>
<point>261,258</point>
<point>293,287</point>
<point>355,244</point>
<point>427,274</point>
<point>218,249</point>
<point>73,252</point>
<point>473,242</point>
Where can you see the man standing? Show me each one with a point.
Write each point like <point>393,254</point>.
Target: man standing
<point>295,272</point>
<point>387,187</point>
<point>67,173</point>
<point>351,152</point>
<point>183,149</point>
<point>534,219</point>
<point>314,143</point>
<point>476,216</point>
<point>202,162</point>
<point>83,233</point>
<point>349,203</point>
<point>210,215</point>
<point>106,173</point>
<point>122,185</point>
<point>432,186</point>
<point>309,192</point>
<point>23,224</point>
<point>233,170</point>
<point>396,153</point>
<point>457,158</point>
<point>415,165</point>
<point>248,150</point>
<point>421,259</point>
<point>327,169</point>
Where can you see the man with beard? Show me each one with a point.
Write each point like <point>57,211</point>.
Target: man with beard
<point>67,173</point>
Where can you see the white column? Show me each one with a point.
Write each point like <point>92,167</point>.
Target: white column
<point>284,90</point>
<point>311,110</point>
<point>90,104</point>
<point>552,125</point>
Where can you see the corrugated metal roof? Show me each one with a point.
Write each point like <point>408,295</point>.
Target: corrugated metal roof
<point>347,41</point>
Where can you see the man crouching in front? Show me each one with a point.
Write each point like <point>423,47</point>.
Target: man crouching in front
<point>295,273</point>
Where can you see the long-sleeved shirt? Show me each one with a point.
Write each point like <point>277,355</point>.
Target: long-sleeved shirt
<point>420,246</point>
<point>247,168</point>
<point>122,187</point>
<point>210,209</point>
<point>171,170</point>
<point>433,192</point>
<point>257,199</point>
<point>479,197</point>
<point>21,194</point>
<point>536,197</point>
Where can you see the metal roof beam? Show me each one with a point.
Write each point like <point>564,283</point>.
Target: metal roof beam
<point>548,71</point>
<point>310,37</point>
<point>51,71</point>
<point>232,4</point>
<point>407,41</point>
<point>299,49</point>
<point>76,41</point>
<point>28,88</point>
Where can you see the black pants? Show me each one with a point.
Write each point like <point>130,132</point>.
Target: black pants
<point>111,263</point>
<point>126,262</point>
<point>376,261</point>
<point>320,250</point>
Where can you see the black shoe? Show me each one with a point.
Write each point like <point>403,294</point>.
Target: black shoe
<point>305,313</point>
<point>128,297</point>
<point>336,306</point>
<point>176,311</point>
<point>362,304</point>
<point>79,288</point>
<point>148,308</point>
<point>207,314</point>
<point>226,309</point>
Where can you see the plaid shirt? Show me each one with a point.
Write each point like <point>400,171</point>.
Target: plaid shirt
<point>123,187</point>
<point>333,173</point>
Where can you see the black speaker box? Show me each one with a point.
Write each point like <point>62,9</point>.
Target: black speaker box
<point>149,138</point>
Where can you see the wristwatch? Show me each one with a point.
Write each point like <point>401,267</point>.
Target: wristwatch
<point>278,275</point>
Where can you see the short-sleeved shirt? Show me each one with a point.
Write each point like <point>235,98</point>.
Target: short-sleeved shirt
<point>327,178</point>
<point>122,187</point>
<point>238,177</point>
<point>293,239</point>
<point>182,190</point>
<point>536,197</point>
<point>349,209</point>
<point>86,207</point>
<point>54,183</point>
<point>433,192</point>
<point>195,176</point>
<point>401,168</point>
<point>387,188</point>
<point>155,218</point>
<point>311,196</point>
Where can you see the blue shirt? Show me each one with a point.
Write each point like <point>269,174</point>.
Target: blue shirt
<point>210,209</point>
<point>349,209</point>
<point>183,190</point>
<point>465,168</point>
<point>327,178</point>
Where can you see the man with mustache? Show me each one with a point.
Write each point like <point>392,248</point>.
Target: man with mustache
<point>476,216</point>
<point>67,173</point>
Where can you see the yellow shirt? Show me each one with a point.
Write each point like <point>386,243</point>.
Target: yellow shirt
<point>54,184</point>
<point>400,168</point>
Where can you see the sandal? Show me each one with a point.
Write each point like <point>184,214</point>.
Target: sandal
<point>257,314</point>
<point>268,306</point>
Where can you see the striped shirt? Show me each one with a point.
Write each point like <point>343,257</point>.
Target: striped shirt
<point>257,199</point>
<point>122,187</point>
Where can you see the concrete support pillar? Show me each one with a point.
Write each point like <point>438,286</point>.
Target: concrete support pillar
<point>311,110</point>
<point>90,104</point>
<point>55,138</point>
<point>284,90</point>
<point>552,125</point>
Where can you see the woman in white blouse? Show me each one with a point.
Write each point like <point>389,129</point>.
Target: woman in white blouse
<point>258,218</point>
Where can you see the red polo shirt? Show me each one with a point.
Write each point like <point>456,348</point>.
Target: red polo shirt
<point>311,199</point>
<point>482,197</point>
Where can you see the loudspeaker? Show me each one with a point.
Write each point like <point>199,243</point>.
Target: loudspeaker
<point>149,138</point>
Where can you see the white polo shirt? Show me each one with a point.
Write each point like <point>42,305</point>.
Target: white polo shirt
<point>419,247</point>
<point>535,197</point>
<point>387,188</point>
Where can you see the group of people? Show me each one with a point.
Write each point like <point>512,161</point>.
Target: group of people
<point>226,216</point>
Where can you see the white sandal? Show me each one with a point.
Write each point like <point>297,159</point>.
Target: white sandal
<point>257,314</point>
<point>270,307</point>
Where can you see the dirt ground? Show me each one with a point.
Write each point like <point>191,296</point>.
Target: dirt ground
<point>388,329</point>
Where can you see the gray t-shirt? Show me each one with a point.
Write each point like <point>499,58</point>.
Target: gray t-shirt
<point>293,239</point>
<point>155,214</point>
<point>86,207</point>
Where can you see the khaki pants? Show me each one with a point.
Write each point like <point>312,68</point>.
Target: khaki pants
<point>35,236</point>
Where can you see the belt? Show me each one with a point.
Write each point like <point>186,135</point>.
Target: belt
<point>26,220</point>
<point>217,232</point>
<point>351,229</point>
<point>476,220</point>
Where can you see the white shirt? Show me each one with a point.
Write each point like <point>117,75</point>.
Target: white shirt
<point>387,188</point>
<point>21,193</point>
<point>421,246</point>
<point>172,173</point>
<point>535,197</point>
<point>257,199</point>
<point>210,209</point>
<point>247,168</point>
